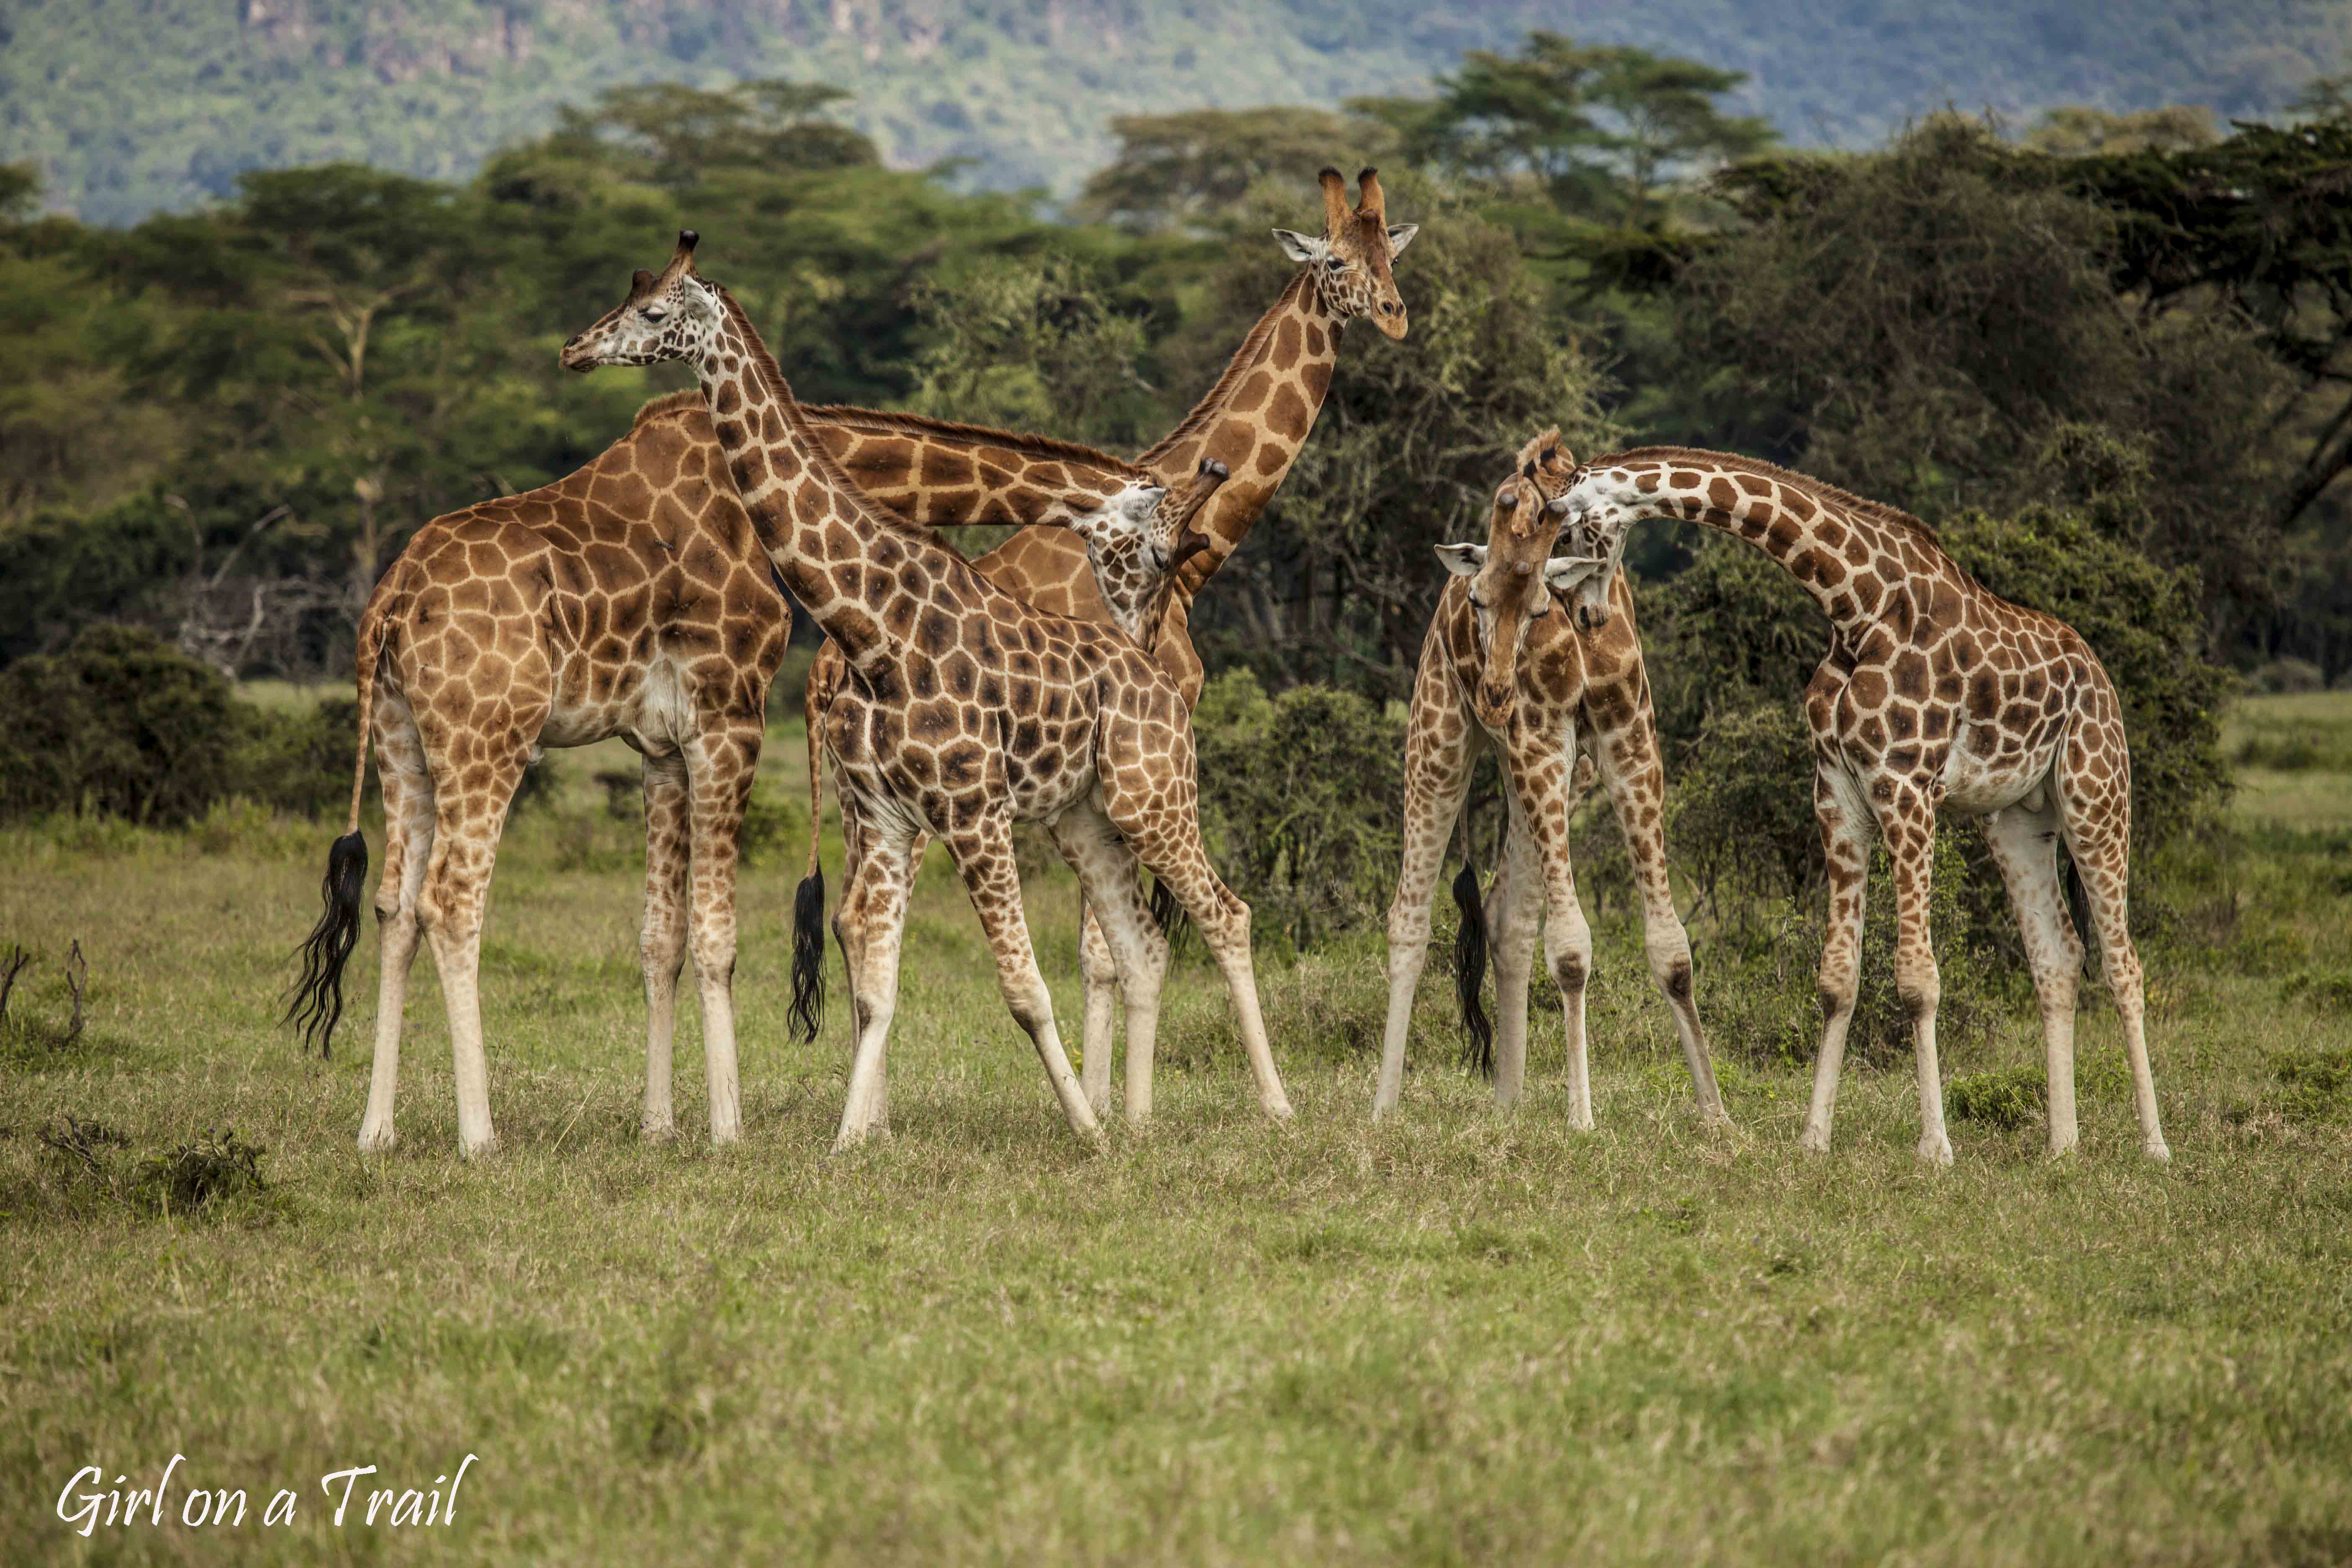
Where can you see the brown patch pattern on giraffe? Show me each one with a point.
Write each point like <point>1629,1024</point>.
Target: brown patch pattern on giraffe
<point>1936,694</point>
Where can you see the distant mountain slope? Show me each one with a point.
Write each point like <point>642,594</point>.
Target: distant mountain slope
<point>131,105</point>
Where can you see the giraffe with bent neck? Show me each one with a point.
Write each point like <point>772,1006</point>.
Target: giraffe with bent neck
<point>967,710</point>
<point>1500,671</point>
<point>1934,695</point>
<point>1255,420</point>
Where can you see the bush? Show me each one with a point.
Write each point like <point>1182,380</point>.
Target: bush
<point>1299,802</point>
<point>1742,812</point>
<point>2282,676</point>
<point>123,725</point>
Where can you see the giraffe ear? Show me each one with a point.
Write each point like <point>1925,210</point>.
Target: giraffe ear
<point>1297,246</point>
<point>1400,236</point>
<point>1562,572</point>
<point>1462,560</point>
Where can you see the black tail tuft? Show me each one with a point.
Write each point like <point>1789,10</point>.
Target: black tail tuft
<point>317,1004</point>
<point>1470,970</point>
<point>808,955</point>
<point>1169,915</point>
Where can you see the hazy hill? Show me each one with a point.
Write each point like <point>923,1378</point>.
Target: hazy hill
<point>131,105</point>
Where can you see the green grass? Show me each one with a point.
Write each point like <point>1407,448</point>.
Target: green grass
<point>2292,753</point>
<point>1455,1337</point>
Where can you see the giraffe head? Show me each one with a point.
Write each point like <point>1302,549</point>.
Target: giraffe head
<point>1351,260</point>
<point>1514,575</point>
<point>1136,541</point>
<point>1596,510</point>
<point>669,315</point>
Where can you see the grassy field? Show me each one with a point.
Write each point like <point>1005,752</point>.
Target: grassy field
<point>1455,1337</point>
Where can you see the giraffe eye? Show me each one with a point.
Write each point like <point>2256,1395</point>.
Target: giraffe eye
<point>655,312</point>
<point>1336,264</point>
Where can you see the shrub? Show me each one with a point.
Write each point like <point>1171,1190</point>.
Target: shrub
<point>2287,675</point>
<point>123,725</point>
<point>1300,803</point>
<point>1742,812</point>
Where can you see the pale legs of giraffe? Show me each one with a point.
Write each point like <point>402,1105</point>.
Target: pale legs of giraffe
<point>1540,813</point>
<point>2100,842</point>
<point>1132,947</point>
<point>719,770</point>
<point>2024,843</point>
<point>408,849</point>
<point>870,923</point>
<point>661,940</point>
<point>1168,841</point>
<point>1845,849</point>
<point>1436,779</point>
<point>1627,761</point>
<point>1099,972</point>
<point>451,905</point>
<point>1907,824</point>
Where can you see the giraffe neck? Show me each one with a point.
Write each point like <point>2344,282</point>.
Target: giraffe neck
<point>1855,560</point>
<point>1255,420</point>
<point>810,517</point>
<point>1135,595</point>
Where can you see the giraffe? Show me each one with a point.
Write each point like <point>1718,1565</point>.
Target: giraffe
<point>630,598</point>
<point>967,710</point>
<point>1134,554</point>
<point>1499,671</point>
<point>1255,420</point>
<point>1935,694</point>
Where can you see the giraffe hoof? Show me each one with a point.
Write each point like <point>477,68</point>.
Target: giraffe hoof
<point>377,1140</point>
<point>1814,1144</point>
<point>2157,1152</point>
<point>483,1150</point>
<point>663,1132</point>
<point>1935,1152</point>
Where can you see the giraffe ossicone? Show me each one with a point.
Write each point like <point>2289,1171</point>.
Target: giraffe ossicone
<point>1936,694</point>
<point>1500,672</point>
<point>966,711</point>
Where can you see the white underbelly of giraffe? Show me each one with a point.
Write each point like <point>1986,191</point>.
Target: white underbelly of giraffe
<point>1978,779</point>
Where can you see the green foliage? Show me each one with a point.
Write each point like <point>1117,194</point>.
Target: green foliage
<point>1298,801</point>
<point>121,725</point>
<point>1194,167</point>
<point>1600,129</point>
<point>1035,343</point>
<point>1741,815</point>
<point>684,132</point>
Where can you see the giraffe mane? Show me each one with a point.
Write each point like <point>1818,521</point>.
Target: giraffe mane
<point>1047,447</point>
<point>1245,358</point>
<point>763,366</point>
<point>1819,490</point>
<point>669,402</point>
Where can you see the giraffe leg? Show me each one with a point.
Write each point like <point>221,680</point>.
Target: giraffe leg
<point>1132,943</point>
<point>1168,840</point>
<point>722,761</point>
<point>1514,911</point>
<point>1845,849</point>
<point>451,904</point>
<point>408,849</point>
<point>2025,846</point>
<point>1436,778</point>
<point>1627,761</point>
<point>984,854</point>
<point>871,924</point>
<point>2098,838</point>
<point>661,940</point>
<point>1908,826</point>
<point>1098,971</point>
<point>1537,772</point>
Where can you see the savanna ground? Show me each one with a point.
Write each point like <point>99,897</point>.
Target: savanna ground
<point>1458,1336</point>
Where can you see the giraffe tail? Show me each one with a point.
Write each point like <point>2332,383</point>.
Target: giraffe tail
<point>1169,915</point>
<point>2078,910</point>
<point>316,1004</point>
<point>1470,959</point>
<point>808,900</point>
